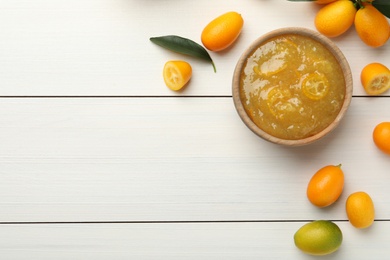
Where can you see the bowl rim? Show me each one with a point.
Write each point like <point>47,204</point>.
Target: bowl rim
<point>336,52</point>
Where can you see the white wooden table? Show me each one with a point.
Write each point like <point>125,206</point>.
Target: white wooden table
<point>99,160</point>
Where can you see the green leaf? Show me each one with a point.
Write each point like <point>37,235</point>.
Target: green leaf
<point>184,46</point>
<point>383,6</point>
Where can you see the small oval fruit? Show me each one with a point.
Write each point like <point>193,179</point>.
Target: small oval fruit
<point>372,26</point>
<point>223,31</point>
<point>326,186</point>
<point>381,136</point>
<point>335,18</point>
<point>176,74</point>
<point>360,209</point>
<point>320,237</point>
<point>375,78</point>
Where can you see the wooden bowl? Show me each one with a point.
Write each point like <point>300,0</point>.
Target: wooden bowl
<point>328,45</point>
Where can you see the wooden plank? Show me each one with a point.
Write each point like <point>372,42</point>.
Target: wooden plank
<point>102,47</point>
<point>181,241</point>
<point>172,159</point>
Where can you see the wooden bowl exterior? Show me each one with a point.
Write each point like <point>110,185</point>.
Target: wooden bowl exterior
<point>325,42</point>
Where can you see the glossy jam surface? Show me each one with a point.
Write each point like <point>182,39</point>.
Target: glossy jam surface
<point>292,87</point>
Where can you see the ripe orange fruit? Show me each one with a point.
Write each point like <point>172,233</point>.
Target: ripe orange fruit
<point>381,136</point>
<point>375,78</point>
<point>221,32</point>
<point>323,2</point>
<point>360,209</point>
<point>326,186</point>
<point>176,74</point>
<point>372,26</point>
<point>335,18</point>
